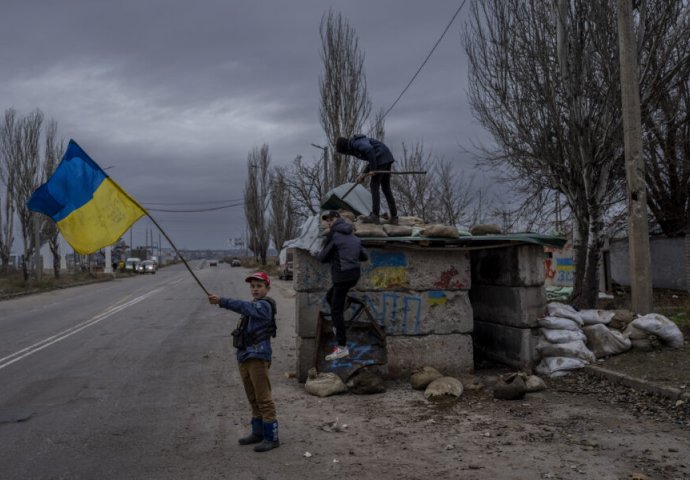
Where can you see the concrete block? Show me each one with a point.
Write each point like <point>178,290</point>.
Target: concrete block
<point>420,313</point>
<point>309,274</point>
<point>307,306</point>
<point>521,265</point>
<point>511,346</point>
<point>414,269</point>
<point>451,354</point>
<point>305,357</point>
<point>513,306</point>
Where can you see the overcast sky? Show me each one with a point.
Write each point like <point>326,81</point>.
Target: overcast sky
<point>170,96</point>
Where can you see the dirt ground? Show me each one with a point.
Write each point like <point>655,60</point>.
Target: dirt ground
<point>663,366</point>
<point>579,427</point>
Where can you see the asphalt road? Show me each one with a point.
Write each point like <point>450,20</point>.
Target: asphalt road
<point>133,378</point>
<point>136,379</point>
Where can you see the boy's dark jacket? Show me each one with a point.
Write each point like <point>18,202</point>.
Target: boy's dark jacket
<point>344,251</point>
<point>371,150</point>
<point>259,314</point>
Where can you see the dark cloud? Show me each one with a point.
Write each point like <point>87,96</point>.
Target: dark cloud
<point>173,94</point>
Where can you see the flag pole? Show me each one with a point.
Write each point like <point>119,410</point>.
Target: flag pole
<point>177,251</point>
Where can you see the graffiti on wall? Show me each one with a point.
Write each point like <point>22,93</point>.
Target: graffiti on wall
<point>559,267</point>
<point>388,269</point>
<point>450,279</point>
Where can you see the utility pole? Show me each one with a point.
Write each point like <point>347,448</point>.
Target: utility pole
<point>638,229</point>
<point>325,164</point>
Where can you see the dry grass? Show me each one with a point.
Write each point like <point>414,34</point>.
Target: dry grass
<point>13,283</point>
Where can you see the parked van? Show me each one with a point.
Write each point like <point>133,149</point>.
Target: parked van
<point>131,264</point>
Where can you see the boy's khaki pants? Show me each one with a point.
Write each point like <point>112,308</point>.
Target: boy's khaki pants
<point>257,386</point>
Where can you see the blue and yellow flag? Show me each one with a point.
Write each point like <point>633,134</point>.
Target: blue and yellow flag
<point>90,209</point>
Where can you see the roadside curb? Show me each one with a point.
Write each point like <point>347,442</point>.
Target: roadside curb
<point>639,384</point>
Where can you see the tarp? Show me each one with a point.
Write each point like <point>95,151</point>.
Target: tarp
<point>308,237</point>
<point>358,201</point>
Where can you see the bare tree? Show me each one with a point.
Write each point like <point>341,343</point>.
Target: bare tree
<point>454,193</point>
<point>256,201</point>
<point>26,145</point>
<point>543,81</point>
<point>306,186</point>
<point>664,38</point>
<point>49,230</point>
<point>345,103</point>
<point>8,175</point>
<point>283,223</point>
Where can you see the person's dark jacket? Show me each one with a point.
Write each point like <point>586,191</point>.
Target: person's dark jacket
<point>344,251</point>
<point>371,150</point>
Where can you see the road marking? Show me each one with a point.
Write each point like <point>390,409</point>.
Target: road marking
<point>38,346</point>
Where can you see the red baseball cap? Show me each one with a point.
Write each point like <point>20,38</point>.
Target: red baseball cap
<point>259,276</point>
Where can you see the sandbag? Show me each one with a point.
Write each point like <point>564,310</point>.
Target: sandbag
<point>662,327</point>
<point>634,333</point>
<point>398,230</point>
<point>592,317</point>
<point>562,310</point>
<point>440,231</point>
<point>562,336</point>
<point>559,323</point>
<point>485,229</point>
<point>621,319</point>
<point>534,384</point>
<point>576,349</point>
<point>324,384</point>
<point>423,376</point>
<point>603,341</point>
<point>558,366</point>
<point>443,387</point>
<point>510,388</point>
<point>365,382</point>
<point>369,230</point>
<point>410,221</point>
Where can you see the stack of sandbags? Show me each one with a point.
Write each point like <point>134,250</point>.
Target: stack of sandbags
<point>562,345</point>
<point>649,329</point>
<point>602,340</point>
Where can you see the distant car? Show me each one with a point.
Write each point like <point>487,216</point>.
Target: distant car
<point>132,263</point>
<point>235,262</point>
<point>212,263</point>
<point>285,272</point>
<point>147,266</point>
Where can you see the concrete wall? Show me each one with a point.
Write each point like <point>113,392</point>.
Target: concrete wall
<point>507,298</point>
<point>670,262</point>
<point>419,296</point>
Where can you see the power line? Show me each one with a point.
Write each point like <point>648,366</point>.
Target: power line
<point>230,205</point>
<point>192,203</point>
<point>425,60</point>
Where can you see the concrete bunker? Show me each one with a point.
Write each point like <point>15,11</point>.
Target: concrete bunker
<point>440,301</point>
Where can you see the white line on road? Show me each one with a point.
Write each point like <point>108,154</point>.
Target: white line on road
<point>38,346</point>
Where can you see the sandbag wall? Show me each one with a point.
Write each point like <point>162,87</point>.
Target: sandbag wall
<point>419,295</point>
<point>508,298</point>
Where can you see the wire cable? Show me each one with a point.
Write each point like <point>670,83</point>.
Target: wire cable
<point>425,60</point>
<point>192,203</point>
<point>231,205</point>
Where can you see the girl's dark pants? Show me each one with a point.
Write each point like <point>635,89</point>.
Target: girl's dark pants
<point>336,297</point>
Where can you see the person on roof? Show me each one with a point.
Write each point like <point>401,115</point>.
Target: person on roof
<point>379,159</point>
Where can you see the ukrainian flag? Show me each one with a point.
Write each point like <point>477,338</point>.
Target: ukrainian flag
<point>90,209</point>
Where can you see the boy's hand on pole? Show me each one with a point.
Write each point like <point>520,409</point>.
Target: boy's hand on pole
<point>213,299</point>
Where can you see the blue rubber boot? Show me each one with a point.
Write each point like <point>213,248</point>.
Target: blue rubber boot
<point>270,440</point>
<point>257,433</point>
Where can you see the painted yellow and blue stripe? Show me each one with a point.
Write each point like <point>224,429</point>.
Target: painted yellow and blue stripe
<point>388,269</point>
<point>90,209</point>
